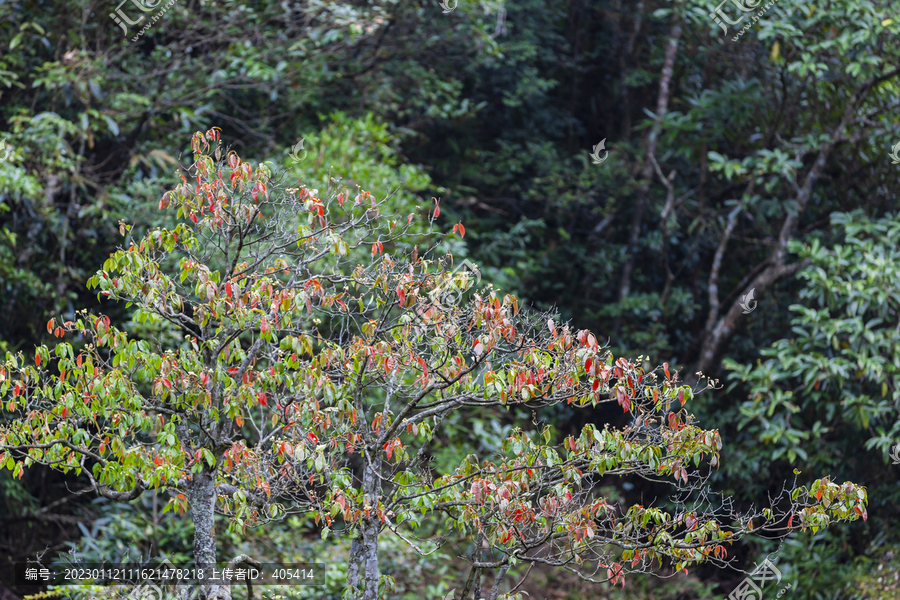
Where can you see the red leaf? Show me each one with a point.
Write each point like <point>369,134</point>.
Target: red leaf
<point>691,522</point>
<point>666,369</point>
<point>65,411</point>
<point>50,324</point>
<point>389,450</point>
<point>437,212</point>
<point>37,359</point>
<point>587,364</point>
<point>312,437</point>
<point>790,520</point>
<point>462,231</point>
<point>262,399</point>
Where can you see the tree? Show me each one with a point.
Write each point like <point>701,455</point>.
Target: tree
<point>306,354</point>
<point>827,394</point>
<point>843,349</point>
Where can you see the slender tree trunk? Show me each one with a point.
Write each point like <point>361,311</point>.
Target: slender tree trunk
<point>643,192</point>
<point>371,526</point>
<point>202,496</point>
<point>356,555</point>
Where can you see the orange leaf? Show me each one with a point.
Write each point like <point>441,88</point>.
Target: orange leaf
<point>50,325</point>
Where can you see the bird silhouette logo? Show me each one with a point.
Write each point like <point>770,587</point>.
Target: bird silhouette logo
<point>748,304</point>
<point>595,155</point>
<point>446,6</point>
<point>296,150</point>
<point>895,154</point>
<point>4,151</point>
<point>895,454</point>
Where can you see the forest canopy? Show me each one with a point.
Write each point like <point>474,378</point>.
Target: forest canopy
<point>476,298</point>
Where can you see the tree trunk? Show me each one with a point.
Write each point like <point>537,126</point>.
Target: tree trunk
<point>643,191</point>
<point>371,526</point>
<point>356,547</point>
<point>202,496</point>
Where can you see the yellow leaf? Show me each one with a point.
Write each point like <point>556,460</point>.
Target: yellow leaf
<point>884,389</point>
<point>886,22</point>
<point>776,51</point>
